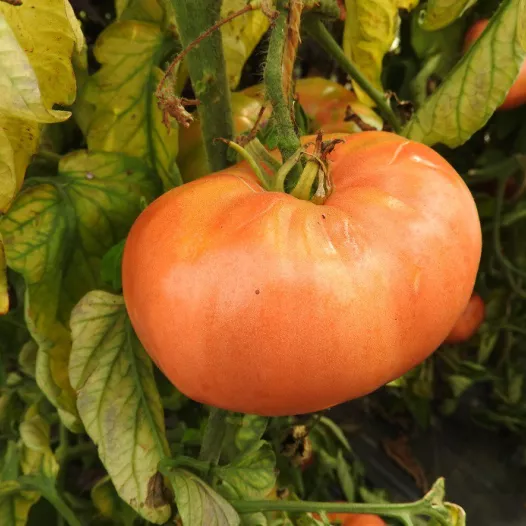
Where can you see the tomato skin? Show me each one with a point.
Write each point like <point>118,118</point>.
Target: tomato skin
<point>469,321</point>
<point>323,100</point>
<point>261,303</point>
<point>517,95</point>
<point>352,519</point>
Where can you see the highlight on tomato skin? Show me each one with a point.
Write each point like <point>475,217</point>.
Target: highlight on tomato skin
<point>303,306</point>
<point>517,95</point>
<point>469,322</point>
<point>352,519</point>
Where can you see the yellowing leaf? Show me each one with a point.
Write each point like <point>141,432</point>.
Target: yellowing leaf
<point>440,13</point>
<point>110,505</point>
<point>478,84</point>
<point>55,235</point>
<point>21,95</point>
<point>198,504</point>
<point>45,41</point>
<point>15,503</point>
<point>144,10</point>
<point>118,400</point>
<point>240,37</point>
<point>127,118</point>
<point>370,30</point>
<point>4,297</point>
<point>18,142</point>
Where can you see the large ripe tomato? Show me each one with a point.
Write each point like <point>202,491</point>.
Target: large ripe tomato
<point>352,519</point>
<point>469,321</point>
<point>324,101</point>
<point>258,302</point>
<point>517,94</point>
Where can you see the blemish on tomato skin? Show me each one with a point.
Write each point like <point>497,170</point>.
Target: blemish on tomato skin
<point>257,291</point>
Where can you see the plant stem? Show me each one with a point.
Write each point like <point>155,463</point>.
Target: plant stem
<point>206,66</point>
<point>500,170</point>
<point>214,434</point>
<point>420,507</point>
<point>288,141</point>
<point>319,32</point>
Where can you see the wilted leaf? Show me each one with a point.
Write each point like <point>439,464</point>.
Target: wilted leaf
<point>4,296</point>
<point>110,505</point>
<point>36,454</point>
<point>118,399</point>
<point>127,118</point>
<point>253,474</point>
<point>440,13</point>
<point>27,358</point>
<point>18,142</point>
<point>37,43</point>
<point>370,30</point>
<point>198,504</point>
<point>474,89</point>
<point>55,235</point>
<point>240,37</point>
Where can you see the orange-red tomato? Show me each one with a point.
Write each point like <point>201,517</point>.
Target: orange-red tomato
<point>517,94</point>
<point>258,302</point>
<point>469,321</point>
<point>352,519</point>
<point>323,100</point>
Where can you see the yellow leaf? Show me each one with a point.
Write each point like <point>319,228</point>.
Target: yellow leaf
<point>370,30</point>
<point>18,142</point>
<point>21,95</point>
<point>144,10</point>
<point>44,33</point>
<point>4,297</point>
<point>240,37</point>
<point>55,235</point>
<point>15,503</point>
<point>118,400</point>
<point>126,117</point>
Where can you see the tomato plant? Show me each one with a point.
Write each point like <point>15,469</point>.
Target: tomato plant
<point>219,219</point>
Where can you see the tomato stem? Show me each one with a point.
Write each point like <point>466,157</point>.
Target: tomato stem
<point>206,66</point>
<point>282,113</point>
<point>319,32</point>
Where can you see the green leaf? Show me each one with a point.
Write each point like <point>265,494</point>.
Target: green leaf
<point>118,399</point>
<point>459,384</point>
<point>110,505</point>
<point>240,37</point>
<point>55,235</point>
<point>111,266</point>
<point>27,358</point>
<point>343,470</point>
<point>37,43</point>
<point>370,29</point>
<point>127,118</point>
<point>488,340</point>
<point>465,101</point>
<point>198,504</point>
<point>253,474</point>
<point>4,296</point>
<point>250,431</point>
<point>440,13</point>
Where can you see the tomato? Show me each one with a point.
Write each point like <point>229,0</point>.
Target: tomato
<point>258,302</point>
<point>469,321</point>
<point>352,519</point>
<point>324,101</point>
<point>517,94</point>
